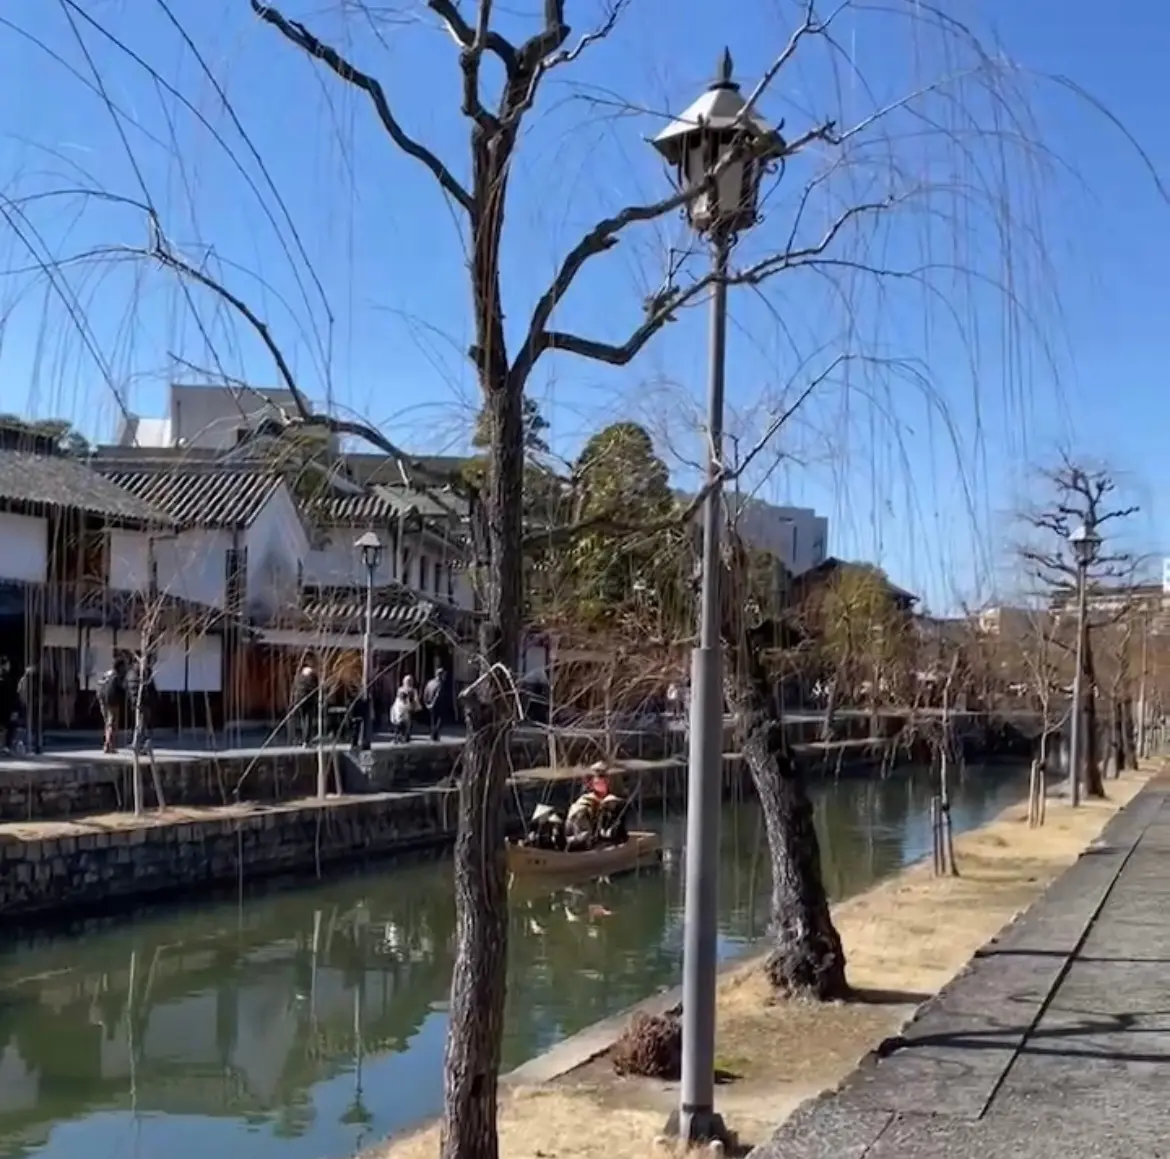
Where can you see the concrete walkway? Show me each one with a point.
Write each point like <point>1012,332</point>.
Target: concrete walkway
<point>1053,1044</point>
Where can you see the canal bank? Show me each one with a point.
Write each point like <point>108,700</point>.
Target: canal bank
<point>84,783</point>
<point>51,867</point>
<point>309,1022</point>
<point>905,939</point>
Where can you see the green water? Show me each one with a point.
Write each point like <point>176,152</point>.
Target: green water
<point>220,1029</point>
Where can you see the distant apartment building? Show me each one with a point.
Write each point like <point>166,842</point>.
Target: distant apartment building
<point>797,536</point>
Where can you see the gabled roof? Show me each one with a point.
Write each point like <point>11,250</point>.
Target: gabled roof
<point>198,496</point>
<point>832,564</point>
<point>34,480</point>
<point>395,607</point>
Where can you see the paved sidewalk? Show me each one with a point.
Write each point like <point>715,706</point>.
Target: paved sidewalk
<point>1054,1044</point>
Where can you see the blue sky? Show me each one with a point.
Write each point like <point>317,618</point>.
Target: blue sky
<point>1039,323</point>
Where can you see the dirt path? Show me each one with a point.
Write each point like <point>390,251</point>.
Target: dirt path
<point>904,939</point>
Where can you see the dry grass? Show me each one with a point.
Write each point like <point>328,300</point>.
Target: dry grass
<point>904,940</point>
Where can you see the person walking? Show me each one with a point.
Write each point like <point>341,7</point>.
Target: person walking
<point>141,703</point>
<point>306,691</point>
<point>28,700</point>
<point>111,698</point>
<point>432,699</point>
<point>405,706</point>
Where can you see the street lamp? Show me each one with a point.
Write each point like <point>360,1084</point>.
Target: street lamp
<point>719,150</point>
<point>1085,542</point>
<point>371,548</point>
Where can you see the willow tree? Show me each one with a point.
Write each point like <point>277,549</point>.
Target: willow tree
<point>847,185</point>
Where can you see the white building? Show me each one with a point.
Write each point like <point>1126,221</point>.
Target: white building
<point>207,417</point>
<point>797,536</point>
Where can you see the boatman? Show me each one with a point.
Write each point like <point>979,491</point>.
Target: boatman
<point>611,820</point>
<point>581,823</point>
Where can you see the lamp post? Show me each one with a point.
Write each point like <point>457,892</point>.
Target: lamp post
<point>371,548</point>
<point>719,151</point>
<point>1085,541</point>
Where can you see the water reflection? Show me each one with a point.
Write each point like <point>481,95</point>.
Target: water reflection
<point>309,1023</point>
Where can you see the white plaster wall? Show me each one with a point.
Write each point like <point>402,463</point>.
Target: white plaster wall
<point>277,547</point>
<point>192,565</point>
<point>335,560</point>
<point>24,548</point>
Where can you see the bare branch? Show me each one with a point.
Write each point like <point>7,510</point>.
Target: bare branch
<point>305,416</point>
<point>299,35</point>
<point>663,308</point>
<point>467,37</point>
<point>565,56</point>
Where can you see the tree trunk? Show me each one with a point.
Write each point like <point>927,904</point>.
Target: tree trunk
<point>1128,735</point>
<point>806,957</point>
<point>1114,755</point>
<point>1094,783</point>
<point>471,1064</point>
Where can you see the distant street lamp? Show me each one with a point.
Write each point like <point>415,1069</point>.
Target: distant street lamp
<point>371,548</point>
<point>719,150</point>
<point>1085,543</point>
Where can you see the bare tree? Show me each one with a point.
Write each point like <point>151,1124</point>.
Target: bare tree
<point>847,181</point>
<point>1078,495</point>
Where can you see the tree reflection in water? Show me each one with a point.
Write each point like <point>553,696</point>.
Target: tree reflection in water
<point>312,1020</point>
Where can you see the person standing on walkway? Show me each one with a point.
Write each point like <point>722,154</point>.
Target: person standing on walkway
<point>433,701</point>
<point>28,698</point>
<point>306,691</point>
<point>141,703</point>
<point>111,697</point>
<point>8,702</point>
<point>405,706</point>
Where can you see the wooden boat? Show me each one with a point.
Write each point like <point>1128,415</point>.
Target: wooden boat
<point>602,861</point>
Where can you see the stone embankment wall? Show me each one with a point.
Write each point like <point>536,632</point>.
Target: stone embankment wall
<point>67,867</point>
<point>61,788</point>
<point>49,868</point>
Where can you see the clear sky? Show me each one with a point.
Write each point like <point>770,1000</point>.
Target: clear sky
<point>1034,229</point>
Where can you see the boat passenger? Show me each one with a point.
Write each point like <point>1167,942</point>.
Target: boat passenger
<point>581,823</point>
<point>611,820</point>
<point>546,830</point>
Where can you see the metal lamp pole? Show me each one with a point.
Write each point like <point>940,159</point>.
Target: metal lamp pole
<point>371,548</point>
<point>719,149</point>
<point>1085,542</point>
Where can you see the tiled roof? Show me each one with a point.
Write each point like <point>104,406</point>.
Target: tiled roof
<point>395,608</point>
<point>57,480</point>
<point>353,510</point>
<point>432,505</point>
<point>222,497</point>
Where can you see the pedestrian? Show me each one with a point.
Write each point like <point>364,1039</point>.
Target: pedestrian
<point>28,699</point>
<point>111,698</point>
<point>306,692</point>
<point>405,706</point>
<point>432,699</point>
<point>142,702</point>
<point>8,702</point>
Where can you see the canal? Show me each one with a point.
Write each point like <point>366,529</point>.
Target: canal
<point>307,1023</point>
